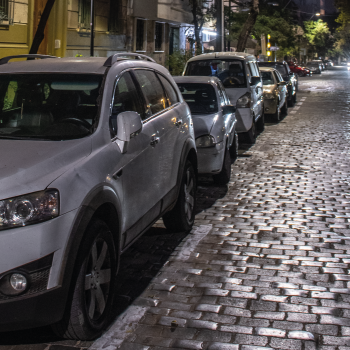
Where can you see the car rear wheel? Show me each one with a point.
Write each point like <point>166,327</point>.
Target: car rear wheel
<point>284,109</point>
<point>277,115</point>
<point>89,309</point>
<point>234,149</point>
<point>260,125</point>
<point>181,217</point>
<point>224,176</point>
<point>250,136</point>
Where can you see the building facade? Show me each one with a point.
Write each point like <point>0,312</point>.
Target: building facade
<point>153,27</point>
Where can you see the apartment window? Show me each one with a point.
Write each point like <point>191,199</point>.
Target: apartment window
<point>4,10</point>
<point>84,13</point>
<point>158,38</point>
<point>140,34</point>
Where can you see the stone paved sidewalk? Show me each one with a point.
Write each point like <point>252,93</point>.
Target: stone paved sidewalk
<point>267,265</point>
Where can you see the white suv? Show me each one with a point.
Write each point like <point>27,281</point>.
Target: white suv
<point>93,152</point>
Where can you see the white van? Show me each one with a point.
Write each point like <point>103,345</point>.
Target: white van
<point>240,75</point>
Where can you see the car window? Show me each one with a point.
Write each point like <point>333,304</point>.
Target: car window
<point>221,96</point>
<point>249,71</point>
<point>126,97</point>
<point>229,71</point>
<point>201,98</point>
<point>49,106</point>
<point>276,77</point>
<point>152,90</point>
<point>227,100</point>
<point>254,70</point>
<point>267,78</point>
<point>170,91</point>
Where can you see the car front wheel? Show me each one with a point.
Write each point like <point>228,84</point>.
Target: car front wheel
<point>89,310</point>
<point>181,217</point>
<point>276,116</point>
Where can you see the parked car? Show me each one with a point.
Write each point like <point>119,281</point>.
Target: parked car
<point>275,93</point>
<point>240,75</point>
<point>314,67</point>
<point>328,64</point>
<point>320,62</point>
<point>94,151</point>
<point>288,76</point>
<point>299,70</point>
<point>214,124</point>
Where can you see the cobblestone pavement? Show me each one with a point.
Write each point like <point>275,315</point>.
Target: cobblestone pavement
<point>267,263</point>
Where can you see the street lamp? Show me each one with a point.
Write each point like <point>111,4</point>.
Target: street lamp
<point>315,14</point>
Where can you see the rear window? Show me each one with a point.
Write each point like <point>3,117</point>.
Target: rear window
<point>280,67</point>
<point>267,78</point>
<point>201,98</point>
<point>230,72</point>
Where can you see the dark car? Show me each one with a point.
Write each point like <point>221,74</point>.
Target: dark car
<point>288,76</point>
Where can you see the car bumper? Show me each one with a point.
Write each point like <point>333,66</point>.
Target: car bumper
<point>270,106</point>
<point>244,118</point>
<point>210,159</point>
<point>26,250</point>
<point>34,311</point>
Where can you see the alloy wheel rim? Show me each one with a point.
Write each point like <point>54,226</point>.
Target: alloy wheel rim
<point>97,279</point>
<point>189,197</point>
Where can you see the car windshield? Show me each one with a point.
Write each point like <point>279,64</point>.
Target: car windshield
<point>280,67</point>
<point>267,78</point>
<point>48,106</point>
<point>230,72</point>
<point>201,98</point>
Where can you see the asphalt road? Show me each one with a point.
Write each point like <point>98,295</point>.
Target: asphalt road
<point>267,263</point>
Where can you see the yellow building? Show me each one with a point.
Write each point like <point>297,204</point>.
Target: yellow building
<point>152,27</point>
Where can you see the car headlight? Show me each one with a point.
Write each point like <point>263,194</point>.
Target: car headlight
<point>205,141</point>
<point>29,209</point>
<point>244,101</point>
<point>269,96</point>
<point>348,63</point>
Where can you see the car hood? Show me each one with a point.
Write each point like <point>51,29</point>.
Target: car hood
<point>203,123</point>
<point>28,166</point>
<point>235,93</point>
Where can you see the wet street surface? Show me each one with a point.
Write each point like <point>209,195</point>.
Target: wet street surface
<point>266,265</point>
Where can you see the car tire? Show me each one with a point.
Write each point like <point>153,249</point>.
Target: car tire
<point>89,309</point>
<point>301,74</point>
<point>181,217</point>
<point>250,135</point>
<point>260,125</point>
<point>234,149</point>
<point>223,178</point>
<point>284,109</point>
<point>277,115</point>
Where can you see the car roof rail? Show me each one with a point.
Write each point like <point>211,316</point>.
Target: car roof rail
<point>5,60</point>
<point>122,55</point>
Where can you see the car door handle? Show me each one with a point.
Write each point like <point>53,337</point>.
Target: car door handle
<point>154,140</point>
<point>179,122</point>
<point>118,174</point>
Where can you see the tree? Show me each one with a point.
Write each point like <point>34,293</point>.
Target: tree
<point>248,25</point>
<point>199,18</point>
<point>39,35</point>
<point>318,36</point>
<point>342,44</point>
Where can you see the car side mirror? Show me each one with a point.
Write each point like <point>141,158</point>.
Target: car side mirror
<point>255,80</point>
<point>128,125</point>
<point>282,83</point>
<point>229,109</point>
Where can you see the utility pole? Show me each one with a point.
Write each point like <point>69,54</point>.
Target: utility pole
<point>92,22</point>
<point>229,26</point>
<point>220,26</point>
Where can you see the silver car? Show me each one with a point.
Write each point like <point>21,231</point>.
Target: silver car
<point>214,125</point>
<point>275,93</point>
<point>93,152</point>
